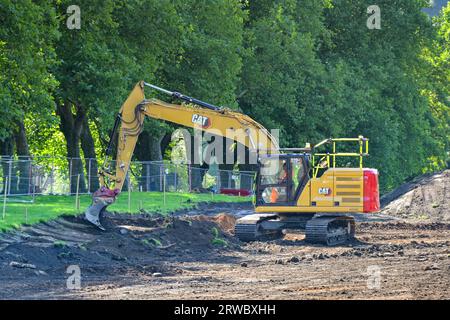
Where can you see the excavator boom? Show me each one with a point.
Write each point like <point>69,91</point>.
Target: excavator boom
<point>195,114</point>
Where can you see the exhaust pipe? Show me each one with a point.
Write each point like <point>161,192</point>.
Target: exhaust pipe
<point>100,200</point>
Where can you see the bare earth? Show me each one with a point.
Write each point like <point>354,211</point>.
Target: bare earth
<point>425,198</point>
<point>143,257</point>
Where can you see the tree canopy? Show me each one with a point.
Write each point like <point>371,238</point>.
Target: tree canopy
<point>311,68</point>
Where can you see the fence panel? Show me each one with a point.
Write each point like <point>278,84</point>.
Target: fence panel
<point>56,175</point>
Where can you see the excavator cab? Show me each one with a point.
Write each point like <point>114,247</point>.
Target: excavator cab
<point>315,190</point>
<point>281,178</point>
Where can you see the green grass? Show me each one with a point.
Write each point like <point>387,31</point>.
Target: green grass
<point>217,241</point>
<point>49,207</point>
<point>59,244</point>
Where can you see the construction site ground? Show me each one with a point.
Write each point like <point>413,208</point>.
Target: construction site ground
<point>193,255</point>
<point>401,253</point>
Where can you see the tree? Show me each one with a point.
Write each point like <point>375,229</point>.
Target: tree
<point>210,63</point>
<point>158,43</point>
<point>309,68</point>
<point>381,83</point>
<point>281,74</point>
<point>435,86</point>
<point>26,55</point>
<point>93,77</point>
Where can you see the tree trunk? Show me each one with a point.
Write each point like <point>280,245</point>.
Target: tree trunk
<point>165,141</point>
<point>148,148</point>
<point>71,125</point>
<point>25,182</point>
<point>226,169</point>
<point>6,148</point>
<point>247,183</point>
<point>88,147</point>
<point>198,170</point>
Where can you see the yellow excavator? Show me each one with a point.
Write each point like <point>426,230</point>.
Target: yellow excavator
<point>295,188</point>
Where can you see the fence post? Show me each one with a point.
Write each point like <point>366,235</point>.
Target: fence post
<point>4,198</point>
<point>190,177</point>
<point>129,195</point>
<point>77,204</point>
<point>9,175</point>
<point>166,171</point>
<point>70,175</point>
<point>52,174</point>
<point>89,176</point>
<point>175,177</point>
<point>34,193</point>
<point>30,175</point>
<point>161,177</point>
<point>147,178</point>
<point>217,180</point>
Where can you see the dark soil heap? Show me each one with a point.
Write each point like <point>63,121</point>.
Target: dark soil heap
<point>141,243</point>
<point>425,198</point>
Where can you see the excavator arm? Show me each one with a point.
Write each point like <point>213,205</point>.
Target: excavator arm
<point>195,114</point>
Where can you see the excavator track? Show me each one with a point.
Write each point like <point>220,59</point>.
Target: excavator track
<point>252,232</point>
<point>250,228</point>
<point>246,232</point>
<point>330,230</point>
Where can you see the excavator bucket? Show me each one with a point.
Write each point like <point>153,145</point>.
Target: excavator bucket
<point>100,200</point>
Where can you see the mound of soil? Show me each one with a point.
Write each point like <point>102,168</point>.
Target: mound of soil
<point>426,197</point>
<point>142,244</point>
<point>224,221</point>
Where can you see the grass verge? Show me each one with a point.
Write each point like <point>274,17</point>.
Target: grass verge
<point>48,207</point>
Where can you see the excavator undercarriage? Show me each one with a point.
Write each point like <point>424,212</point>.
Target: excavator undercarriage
<point>323,229</point>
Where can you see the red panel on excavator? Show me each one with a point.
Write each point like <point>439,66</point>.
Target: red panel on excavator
<point>371,192</point>
<point>235,192</point>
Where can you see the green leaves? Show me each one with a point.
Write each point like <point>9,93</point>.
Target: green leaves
<point>210,61</point>
<point>315,70</point>
<point>281,73</point>
<point>26,54</point>
<point>309,68</point>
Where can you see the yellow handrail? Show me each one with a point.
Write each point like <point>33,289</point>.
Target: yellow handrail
<point>363,152</point>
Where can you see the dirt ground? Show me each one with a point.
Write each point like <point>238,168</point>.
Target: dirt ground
<point>188,256</point>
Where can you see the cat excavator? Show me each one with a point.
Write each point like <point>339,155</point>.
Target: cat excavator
<point>295,188</point>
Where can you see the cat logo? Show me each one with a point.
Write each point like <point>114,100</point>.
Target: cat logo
<point>202,121</point>
<point>325,191</point>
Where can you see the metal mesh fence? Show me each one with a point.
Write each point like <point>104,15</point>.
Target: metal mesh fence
<point>63,176</point>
